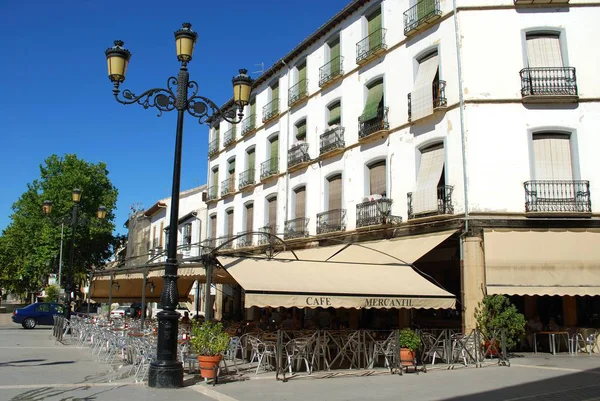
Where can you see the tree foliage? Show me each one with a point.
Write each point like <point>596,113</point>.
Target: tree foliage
<point>496,313</point>
<point>52,293</point>
<point>30,245</point>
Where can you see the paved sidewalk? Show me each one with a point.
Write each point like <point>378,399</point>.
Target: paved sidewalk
<point>33,367</point>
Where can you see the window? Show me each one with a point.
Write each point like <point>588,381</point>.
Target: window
<point>552,157</point>
<point>543,50</point>
<point>154,238</point>
<point>251,158</point>
<point>229,223</point>
<point>334,53</point>
<point>42,308</point>
<point>377,179</point>
<point>187,236</point>
<point>374,103</point>
<point>429,178</point>
<point>272,213</point>
<point>217,132</point>
<point>274,152</point>
<point>335,192</point>
<point>250,217</point>
<point>335,114</point>
<point>215,176</point>
<point>160,234</point>
<point>374,27</point>
<point>425,88</point>
<point>302,78</point>
<point>300,202</point>
<point>253,107</point>
<point>301,130</point>
<point>231,168</point>
<point>213,226</point>
<point>275,98</point>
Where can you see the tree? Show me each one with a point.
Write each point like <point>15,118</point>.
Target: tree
<point>29,246</point>
<point>495,313</point>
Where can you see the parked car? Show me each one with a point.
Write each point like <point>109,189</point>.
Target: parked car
<point>39,313</point>
<point>84,308</point>
<point>121,311</point>
<point>135,310</point>
<point>181,308</point>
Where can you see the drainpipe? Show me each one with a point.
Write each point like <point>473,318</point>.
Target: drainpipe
<point>287,176</point>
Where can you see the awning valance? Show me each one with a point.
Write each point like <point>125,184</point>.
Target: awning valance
<point>364,275</point>
<point>542,262</point>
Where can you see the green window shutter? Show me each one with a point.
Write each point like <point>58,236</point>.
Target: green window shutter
<point>301,130</point>
<point>375,34</point>
<point>274,99</point>
<point>231,167</point>
<point>302,78</point>
<point>424,8</point>
<point>251,159</point>
<point>217,134</point>
<point>215,177</point>
<point>233,129</point>
<point>274,153</point>
<point>253,107</point>
<point>334,57</point>
<point>373,99</point>
<point>335,114</point>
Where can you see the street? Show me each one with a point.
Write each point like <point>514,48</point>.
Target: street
<point>33,368</point>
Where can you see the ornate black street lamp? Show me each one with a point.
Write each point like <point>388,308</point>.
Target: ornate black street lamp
<point>166,371</point>
<point>100,214</point>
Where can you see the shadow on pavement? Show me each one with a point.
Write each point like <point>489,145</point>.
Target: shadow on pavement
<point>584,385</point>
<point>28,363</point>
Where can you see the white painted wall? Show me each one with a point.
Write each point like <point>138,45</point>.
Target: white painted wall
<point>498,159</point>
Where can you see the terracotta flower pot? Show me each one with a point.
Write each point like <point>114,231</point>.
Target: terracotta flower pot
<point>407,357</point>
<point>207,365</point>
<point>492,346</point>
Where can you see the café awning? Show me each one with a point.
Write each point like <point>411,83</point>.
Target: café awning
<point>548,262</point>
<point>363,275</point>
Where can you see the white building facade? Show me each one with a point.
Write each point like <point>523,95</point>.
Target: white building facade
<point>399,118</point>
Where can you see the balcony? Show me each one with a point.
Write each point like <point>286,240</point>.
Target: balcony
<point>373,126</point>
<point>268,229</point>
<point>444,198</point>
<point>331,221</point>
<point>557,197</point>
<point>438,91</point>
<point>540,2</point>
<point>269,168</point>
<point>213,147</point>
<point>371,46</point>
<point>298,156</point>
<point>271,111</point>
<point>249,125</point>
<point>228,186</point>
<point>421,16</point>
<point>247,178</point>
<point>332,140</point>
<point>549,85</point>
<point>331,71</point>
<point>213,193</point>
<point>296,228</point>
<point>375,212</point>
<point>229,137</point>
<point>298,92</point>
<point>245,241</point>
<point>225,242</point>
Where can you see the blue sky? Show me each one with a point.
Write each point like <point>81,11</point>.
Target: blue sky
<point>56,97</point>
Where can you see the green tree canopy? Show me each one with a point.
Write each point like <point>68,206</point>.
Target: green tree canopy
<point>29,246</point>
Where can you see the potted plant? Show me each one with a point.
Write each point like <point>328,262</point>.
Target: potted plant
<point>494,314</point>
<point>409,342</point>
<point>209,342</point>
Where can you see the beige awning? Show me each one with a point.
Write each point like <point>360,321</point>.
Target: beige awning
<point>130,289</point>
<point>197,272</point>
<point>542,262</point>
<point>342,276</point>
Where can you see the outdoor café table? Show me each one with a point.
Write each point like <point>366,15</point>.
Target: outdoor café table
<point>551,339</point>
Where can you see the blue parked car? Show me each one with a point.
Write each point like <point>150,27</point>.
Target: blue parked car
<point>39,313</point>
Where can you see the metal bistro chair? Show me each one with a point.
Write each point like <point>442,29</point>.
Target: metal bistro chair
<point>261,351</point>
<point>583,342</point>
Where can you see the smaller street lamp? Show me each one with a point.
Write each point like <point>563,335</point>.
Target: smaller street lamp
<point>47,207</point>
<point>101,213</point>
<point>76,195</point>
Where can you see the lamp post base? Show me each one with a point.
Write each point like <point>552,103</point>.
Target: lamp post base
<point>165,376</point>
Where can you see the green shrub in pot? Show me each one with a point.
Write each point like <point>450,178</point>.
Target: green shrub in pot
<point>208,338</point>
<point>409,339</point>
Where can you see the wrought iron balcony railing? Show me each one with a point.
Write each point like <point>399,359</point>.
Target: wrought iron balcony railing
<point>298,92</point>
<point>213,193</point>
<point>332,70</point>
<point>370,46</point>
<point>421,15</point>
<point>545,2</point>
<point>268,229</point>
<point>379,123</point>
<point>270,110</point>
<point>225,242</point>
<point>269,168</point>
<point>438,91</point>
<point>298,154</point>
<point>249,124</point>
<point>247,178</point>
<point>444,201</point>
<point>246,241</point>
<point>331,221</point>
<point>296,228</point>
<point>557,196</point>
<point>373,212</point>
<point>229,137</point>
<point>208,244</point>
<point>228,186</point>
<point>548,81</point>
<point>213,147</point>
<point>332,139</point>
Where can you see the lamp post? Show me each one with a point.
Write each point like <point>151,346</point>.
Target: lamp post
<point>47,209</point>
<point>166,371</point>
